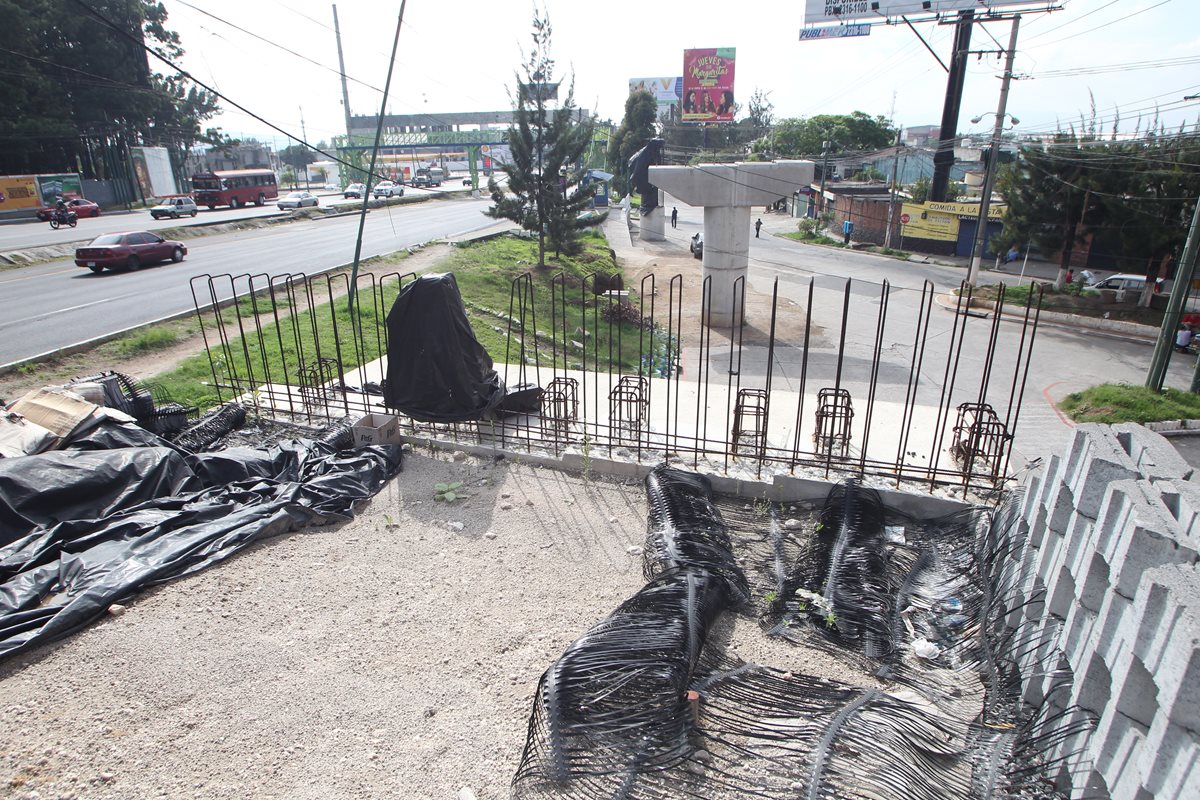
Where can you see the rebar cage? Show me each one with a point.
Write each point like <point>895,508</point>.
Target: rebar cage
<point>835,378</point>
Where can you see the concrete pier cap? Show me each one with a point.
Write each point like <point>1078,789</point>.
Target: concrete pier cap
<point>727,192</point>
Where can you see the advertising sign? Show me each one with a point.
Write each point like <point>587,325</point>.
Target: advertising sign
<point>18,191</point>
<point>995,210</point>
<point>836,32</point>
<point>667,91</point>
<point>821,11</point>
<point>917,221</point>
<point>708,85</point>
<point>152,171</point>
<point>51,186</point>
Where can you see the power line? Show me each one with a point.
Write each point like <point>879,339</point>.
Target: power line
<point>1099,27</point>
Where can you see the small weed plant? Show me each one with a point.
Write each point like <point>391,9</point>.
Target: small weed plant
<point>448,492</point>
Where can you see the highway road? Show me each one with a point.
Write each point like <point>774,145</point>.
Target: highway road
<point>50,306</point>
<point>22,235</point>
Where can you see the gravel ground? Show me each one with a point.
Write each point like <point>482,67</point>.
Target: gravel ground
<point>395,655</point>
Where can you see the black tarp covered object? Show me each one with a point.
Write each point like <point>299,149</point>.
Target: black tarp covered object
<point>437,371</point>
<point>82,530</point>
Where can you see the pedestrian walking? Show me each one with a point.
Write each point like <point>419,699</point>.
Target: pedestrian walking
<point>757,227</point>
<point>847,229</point>
<point>674,217</point>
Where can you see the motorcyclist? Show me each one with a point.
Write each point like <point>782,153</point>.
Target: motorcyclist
<point>60,207</point>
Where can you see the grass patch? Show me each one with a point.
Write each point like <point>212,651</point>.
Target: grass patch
<point>1120,402</point>
<point>485,272</point>
<point>146,341</point>
<point>813,238</point>
<point>279,352</point>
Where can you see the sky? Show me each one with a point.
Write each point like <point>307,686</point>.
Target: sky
<point>1130,58</point>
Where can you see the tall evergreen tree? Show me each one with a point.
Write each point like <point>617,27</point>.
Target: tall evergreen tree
<point>637,128</point>
<point>545,192</point>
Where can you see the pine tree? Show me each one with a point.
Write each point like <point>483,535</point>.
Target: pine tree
<point>544,193</point>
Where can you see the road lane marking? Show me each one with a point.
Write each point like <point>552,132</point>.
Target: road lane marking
<point>72,308</point>
<point>41,275</point>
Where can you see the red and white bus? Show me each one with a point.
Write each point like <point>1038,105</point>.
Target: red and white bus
<point>234,187</point>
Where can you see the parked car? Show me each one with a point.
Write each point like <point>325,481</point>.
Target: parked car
<point>331,187</point>
<point>82,208</point>
<point>696,245</point>
<point>174,207</point>
<point>128,250</point>
<point>388,189</point>
<point>1126,283</point>
<point>298,200</point>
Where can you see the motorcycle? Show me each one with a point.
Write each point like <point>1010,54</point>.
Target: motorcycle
<point>60,218</point>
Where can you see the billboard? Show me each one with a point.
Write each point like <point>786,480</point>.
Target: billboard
<point>152,171</point>
<point>708,85</point>
<point>822,11</point>
<point>667,91</point>
<point>939,221</point>
<point>51,186</point>
<point>18,191</point>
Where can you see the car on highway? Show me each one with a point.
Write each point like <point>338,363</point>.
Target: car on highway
<point>174,207</point>
<point>388,189</point>
<point>81,207</point>
<point>299,200</point>
<point>129,250</point>
<point>354,191</point>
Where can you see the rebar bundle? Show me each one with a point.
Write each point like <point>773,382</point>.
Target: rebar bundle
<point>647,705</point>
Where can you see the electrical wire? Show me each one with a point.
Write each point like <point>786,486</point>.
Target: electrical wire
<point>1099,27</point>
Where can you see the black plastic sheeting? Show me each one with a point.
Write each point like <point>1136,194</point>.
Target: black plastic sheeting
<point>82,530</point>
<point>437,371</point>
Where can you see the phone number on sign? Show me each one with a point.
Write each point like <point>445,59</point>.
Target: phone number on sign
<point>846,7</point>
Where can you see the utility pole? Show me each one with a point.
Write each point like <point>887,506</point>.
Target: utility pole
<point>887,236</point>
<point>824,171</point>
<point>1184,272</point>
<point>337,31</point>
<point>990,175</point>
<point>943,158</point>
<point>304,133</point>
<point>366,198</point>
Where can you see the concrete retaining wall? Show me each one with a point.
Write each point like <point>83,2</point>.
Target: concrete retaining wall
<point>1111,573</point>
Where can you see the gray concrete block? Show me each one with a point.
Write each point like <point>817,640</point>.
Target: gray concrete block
<point>1153,456</point>
<point>1102,460</point>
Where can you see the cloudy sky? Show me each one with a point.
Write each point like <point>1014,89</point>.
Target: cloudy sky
<point>1129,57</point>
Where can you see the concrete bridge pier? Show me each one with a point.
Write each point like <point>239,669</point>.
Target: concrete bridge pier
<point>651,227</point>
<point>727,192</point>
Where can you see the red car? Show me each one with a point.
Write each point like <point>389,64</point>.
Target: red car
<point>128,250</point>
<point>82,208</point>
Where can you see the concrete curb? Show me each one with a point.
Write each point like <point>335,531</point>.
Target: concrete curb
<point>779,488</point>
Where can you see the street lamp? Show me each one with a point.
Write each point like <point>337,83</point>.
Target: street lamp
<point>985,200</point>
<point>989,176</point>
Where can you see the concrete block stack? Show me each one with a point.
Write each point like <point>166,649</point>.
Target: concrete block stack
<point>1110,633</point>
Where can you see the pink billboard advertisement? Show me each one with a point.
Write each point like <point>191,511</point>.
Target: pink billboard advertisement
<point>708,85</point>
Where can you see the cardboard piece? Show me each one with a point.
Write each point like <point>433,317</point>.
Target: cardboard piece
<point>57,412</point>
<point>376,429</point>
